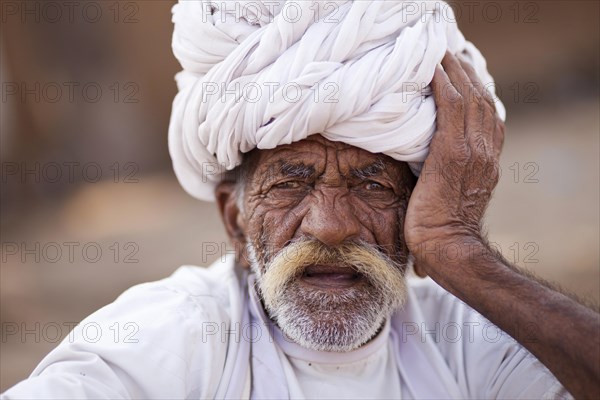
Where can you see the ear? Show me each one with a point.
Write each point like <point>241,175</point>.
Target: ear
<point>233,220</point>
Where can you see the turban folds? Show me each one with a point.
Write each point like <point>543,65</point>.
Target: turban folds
<point>258,74</point>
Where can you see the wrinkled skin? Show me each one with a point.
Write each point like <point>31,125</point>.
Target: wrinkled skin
<point>336,195</point>
<point>456,183</point>
<point>445,209</point>
<point>331,203</point>
<point>334,205</point>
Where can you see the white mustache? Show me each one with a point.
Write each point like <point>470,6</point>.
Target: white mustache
<point>363,258</point>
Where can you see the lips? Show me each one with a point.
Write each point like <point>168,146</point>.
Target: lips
<point>331,276</point>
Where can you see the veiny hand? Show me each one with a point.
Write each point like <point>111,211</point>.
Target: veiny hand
<point>444,216</point>
<point>448,203</point>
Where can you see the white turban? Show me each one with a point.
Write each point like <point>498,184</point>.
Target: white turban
<point>260,73</point>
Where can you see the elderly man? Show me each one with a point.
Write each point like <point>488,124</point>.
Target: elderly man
<point>323,205</point>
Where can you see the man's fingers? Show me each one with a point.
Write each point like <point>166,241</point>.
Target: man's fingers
<point>479,115</point>
<point>476,81</point>
<point>498,138</point>
<point>444,91</point>
<point>449,103</point>
<point>472,99</point>
<point>457,75</point>
<point>492,125</point>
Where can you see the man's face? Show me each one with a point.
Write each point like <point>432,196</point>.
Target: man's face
<point>323,224</point>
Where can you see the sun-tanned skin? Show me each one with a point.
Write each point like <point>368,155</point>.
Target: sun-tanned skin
<point>321,193</point>
<point>333,192</point>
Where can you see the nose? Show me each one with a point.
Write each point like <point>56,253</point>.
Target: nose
<point>331,218</point>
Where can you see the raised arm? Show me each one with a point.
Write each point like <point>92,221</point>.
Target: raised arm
<point>444,234</point>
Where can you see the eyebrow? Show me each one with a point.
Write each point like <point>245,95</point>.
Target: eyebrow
<point>303,171</point>
<point>299,170</point>
<point>369,170</point>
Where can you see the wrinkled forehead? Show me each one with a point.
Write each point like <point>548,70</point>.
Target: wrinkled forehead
<point>317,155</point>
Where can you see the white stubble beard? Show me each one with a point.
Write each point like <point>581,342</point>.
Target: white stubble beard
<point>328,321</point>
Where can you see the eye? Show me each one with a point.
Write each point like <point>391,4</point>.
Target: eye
<point>374,186</point>
<point>376,194</point>
<point>288,185</point>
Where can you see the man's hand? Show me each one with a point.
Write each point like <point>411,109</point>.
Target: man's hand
<point>461,171</point>
<point>444,217</point>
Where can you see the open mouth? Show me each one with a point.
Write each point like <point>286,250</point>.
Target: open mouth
<point>331,276</point>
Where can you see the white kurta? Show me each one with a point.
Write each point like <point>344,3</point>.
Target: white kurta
<point>198,334</point>
<point>370,372</point>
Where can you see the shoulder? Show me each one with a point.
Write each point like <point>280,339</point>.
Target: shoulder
<point>484,360</point>
<point>440,308</point>
<point>188,287</point>
<point>191,295</point>
<point>163,338</point>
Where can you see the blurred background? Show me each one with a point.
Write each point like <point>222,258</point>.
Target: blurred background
<point>90,206</point>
